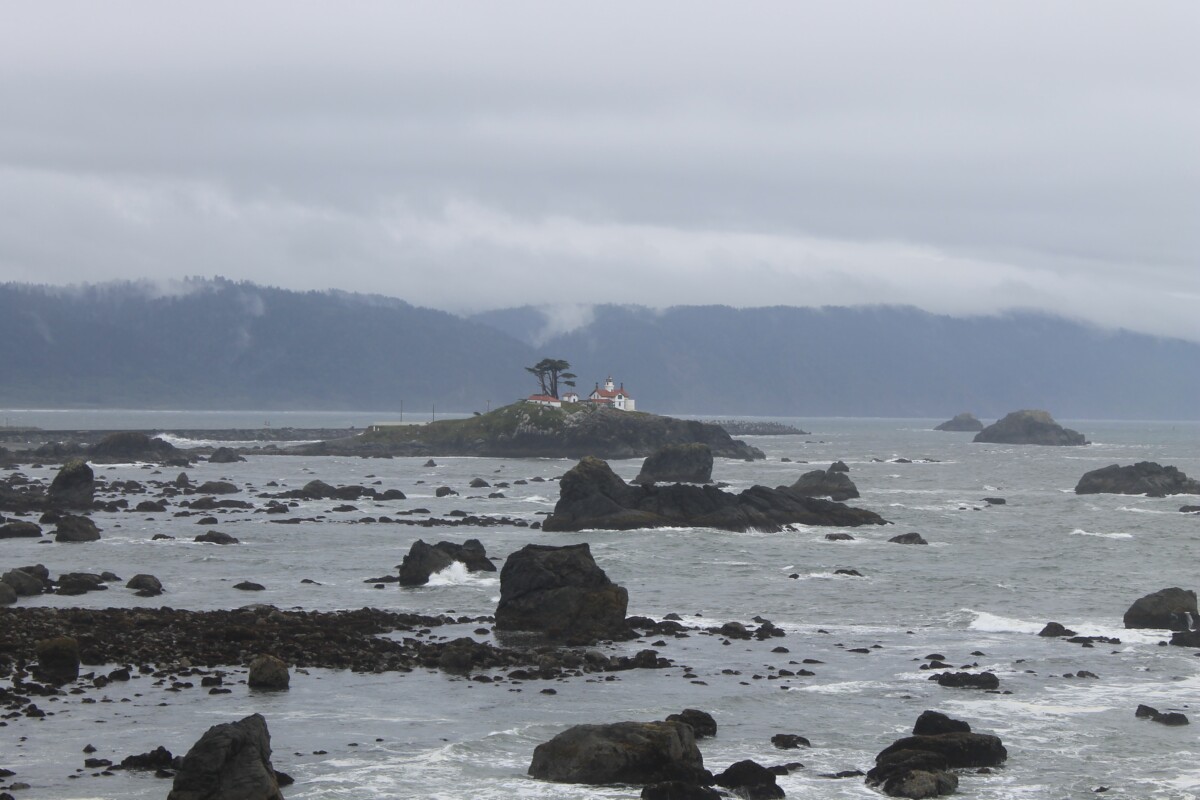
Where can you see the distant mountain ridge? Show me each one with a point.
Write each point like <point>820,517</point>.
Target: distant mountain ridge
<point>225,344</point>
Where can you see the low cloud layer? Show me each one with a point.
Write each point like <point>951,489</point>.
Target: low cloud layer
<point>961,158</point>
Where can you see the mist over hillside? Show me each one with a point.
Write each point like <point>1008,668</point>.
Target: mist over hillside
<point>223,344</point>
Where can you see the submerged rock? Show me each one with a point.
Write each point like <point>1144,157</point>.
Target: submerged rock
<point>591,495</point>
<point>961,422</point>
<point>678,463</point>
<point>1030,427</point>
<point>562,593</point>
<point>231,761</point>
<point>1145,477</point>
<point>424,560</point>
<point>621,752</point>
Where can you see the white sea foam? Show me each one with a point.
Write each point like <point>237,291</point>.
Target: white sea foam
<point>986,622</point>
<point>1082,532</point>
<point>457,574</point>
<point>843,687</point>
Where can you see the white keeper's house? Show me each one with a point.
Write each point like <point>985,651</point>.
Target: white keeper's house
<point>612,396</point>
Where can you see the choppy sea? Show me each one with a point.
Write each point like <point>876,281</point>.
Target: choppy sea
<point>990,578</point>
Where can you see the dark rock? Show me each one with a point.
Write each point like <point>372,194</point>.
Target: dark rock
<point>932,723</point>
<point>76,583</point>
<point>133,446</point>
<point>268,672</point>
<point>225,455</point>
<point>679,790</point>
<point>424,560</point>
<point>839,537</point>
<point>158,758</point>
<point>958,749</point>
<point>1173,609</point>
<point>622,752</point>
<point>24,584</point>
<point>1030,427</point>
<point>478,483</point>
<point>908,538</point>
<point>58,660</point>
<point>591,495</point>
<point>961,422</point>
<point>703,724</point>
<point>20,530</point>
<point>145,585</point>
<point>750,780</point>
<point>8,595</point>
<point>1145,477</point>
<point>216,537</point>
<point>560,592</point>
<point>249,586</point>
<point>968,680</point>
<point>789,741</point>
<point>151,506</point>
<point>675,463</point>
<point>838,466</point>
<point>231,761</point>
<point>1169,718</point>
<point>831,483</point>
<point>1186,638</point>
<point>76,529</point>
<point>444,491</point>
<point>1055,629</point>
<point>430,464</point>
<point>995,501</point>
<point>1189,509</point>
<point>217,487</point>
<point>74,486</point>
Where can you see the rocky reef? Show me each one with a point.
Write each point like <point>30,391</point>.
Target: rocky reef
<point>1030,427</point>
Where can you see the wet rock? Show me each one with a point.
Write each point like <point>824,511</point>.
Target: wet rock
<point>249,586</point>
<point>158,758</point>
<point>839,537</point>
<point>995,501</point>
<point>8,595</point>
<point>916,766</point>
<point>789,741</point>
<point>225,455</point>
<point>134,446</point>
<point>74,486</point>
<point>145,585</point>
<point>838,466</point>
<point>1173,609</point>
<point>677,463</point>
<point>622,752</point>
<point>478,483</point>
<point>591,495</point>
<point>1030,427</point>
<point>231,761</point>
<point>831,483</point>
<point>965,422</point>
<point>76,529</point>
<point>216,537</point>
<point>1054,629</point>
<point>24,584</point>
<point>908,538</point>
<point>1145,477</point>
<point>1172,718</point>
<point>424,560</point>
<point>77,583</point>
<point>562,593</point>
<point>967,680</point>
<point>268,672</point>
<point>703,724</point>
<point>444,491</point>
<point>217,487</point>
<point>932,723</point>
<point>20,530</point>
<point>57,660</point>
<point>749,779</point>
<point>679,790</point>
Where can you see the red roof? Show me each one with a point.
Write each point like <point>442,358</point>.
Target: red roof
<point>543,398</point>
<point>604,393</point>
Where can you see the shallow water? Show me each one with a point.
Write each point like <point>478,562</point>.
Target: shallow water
<point>991,577</point>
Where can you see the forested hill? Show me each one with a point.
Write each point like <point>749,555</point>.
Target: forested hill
<point>221,344</point>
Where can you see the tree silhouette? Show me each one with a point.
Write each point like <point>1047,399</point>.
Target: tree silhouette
<point>550,372</point>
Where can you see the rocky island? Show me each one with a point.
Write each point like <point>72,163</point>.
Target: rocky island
<point>1030,427</point>
<point>526,430</point>
<point>1145,477</point>
<point>965,421</point>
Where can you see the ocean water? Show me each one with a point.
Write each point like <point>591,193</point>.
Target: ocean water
<point>990,578</point>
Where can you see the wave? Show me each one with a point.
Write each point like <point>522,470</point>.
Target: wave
<point>1082,532</point>
<point>986,622</point>
<point>457,574</point>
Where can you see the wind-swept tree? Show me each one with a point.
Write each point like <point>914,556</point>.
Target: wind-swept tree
<point>550,373</point>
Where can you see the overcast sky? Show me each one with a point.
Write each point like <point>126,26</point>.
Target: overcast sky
<point>962,157</point>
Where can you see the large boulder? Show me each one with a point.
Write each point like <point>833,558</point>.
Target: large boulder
<point>622,752</point>
<point>960,749</point>
<point>424,560</point>
<point>592,496</point>
<point>1173,609</point>
<point>73,487</point>
<point>268,672</point>
<point>225,455</point>
<point>134,446</point>
<point>231,761</point>
<point>217,487</point>
<point>961,422</point>
<point>1029,427</point>
<point>57,659</point>
<point>1145,477</point>
<point>674,463</point>
<point>8,595</point>
<point>562,593</point>
<point>76,529</point>
<point>19,529</point>
<point>145,585</point>
<point>23,583</point>
<point>918,766</point>
<point>832,483</point>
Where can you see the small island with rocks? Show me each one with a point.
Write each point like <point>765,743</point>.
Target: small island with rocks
<point>1030,427</point>
<point>964,422</point>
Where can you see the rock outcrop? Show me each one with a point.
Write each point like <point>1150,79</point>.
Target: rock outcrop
<point>20,530</point>
<point>592,496</point>
<point>76,529</point>
<point>678,463</point>
<point>1029,427</point>
<point>1145,477</point>
<point>832,483</point>
<point>135,446</point>
<point>225,455</point>
<point>1173,609</point>
<point>622,752</point>
<point>74,486</point>
<point>231,761</point>
<point>145,585</point>
<point>424,560</point>
<point>560,592</point>
<point>962,422</point>
<point>268,672</point>
<point>918,766</point>
<point>57,660</point>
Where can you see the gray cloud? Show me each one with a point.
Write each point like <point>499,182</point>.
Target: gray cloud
<point>960,157</point>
